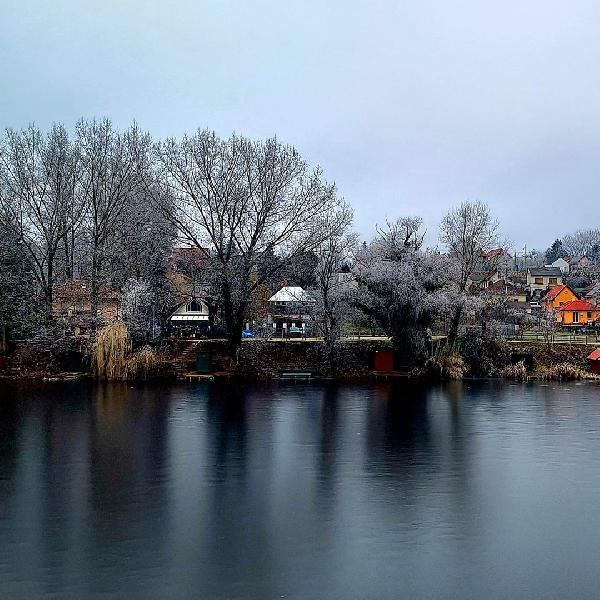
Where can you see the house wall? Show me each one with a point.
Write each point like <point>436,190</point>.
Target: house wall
<point>595,366</point>
<point>546,282</point>
<point>108,310</point>
<point>517,297</point>
<point>563,297</point>
<point>566,317</point>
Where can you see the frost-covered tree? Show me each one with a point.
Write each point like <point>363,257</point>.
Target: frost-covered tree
<point>243,200</point>
<point>467,231</point>
<point>403,287</point>
<point>138,311</point>
<point>333,289</point>
<point>583,242</point>
<point>546,324</point>
<point>18,305</point>
<point>108,178</point>
<point>38,203</point>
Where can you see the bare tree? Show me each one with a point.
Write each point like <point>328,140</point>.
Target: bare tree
<point>583,242</point>
<point>244,200</point>
<point>467,231</point>
<point>37,199</point>
<point>108,178</point>
<point>547,325</point>
<point>333,288</point>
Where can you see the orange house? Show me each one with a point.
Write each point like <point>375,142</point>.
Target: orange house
<point>557,296</point>
<point>577,312</point>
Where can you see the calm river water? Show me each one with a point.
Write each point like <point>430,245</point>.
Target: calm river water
<point>300,491</point>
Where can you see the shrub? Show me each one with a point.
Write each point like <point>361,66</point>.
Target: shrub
<point>454,367</point>
<point>448,367</point>
<point>142,364</point>
<point>46,350</point>
<point>562,372</point>
<point>517,371</point>
<point>484,352</point>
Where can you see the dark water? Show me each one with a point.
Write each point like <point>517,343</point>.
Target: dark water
<point>300,491</point>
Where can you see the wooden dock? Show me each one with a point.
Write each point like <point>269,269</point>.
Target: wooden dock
<point>390,374</point>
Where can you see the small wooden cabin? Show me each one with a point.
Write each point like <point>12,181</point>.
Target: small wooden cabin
<point>594,360</point>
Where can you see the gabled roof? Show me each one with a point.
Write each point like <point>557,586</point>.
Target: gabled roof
<point>495,253</point>
<point>545,272</point>
<point>595,355</point>
<point>191,256</point>
<point>556,290</point>
<point>290,293</point>
<point>577,305</point>
<point>592,290</point>
<point>193,309</point>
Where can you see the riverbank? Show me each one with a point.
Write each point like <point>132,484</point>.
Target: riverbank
<point>264,360</point>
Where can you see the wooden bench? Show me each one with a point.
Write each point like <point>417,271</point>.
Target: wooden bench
<point>296,374</point>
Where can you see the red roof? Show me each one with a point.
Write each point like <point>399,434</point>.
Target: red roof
<point>187,257</point>
<point>577,305</point>
<point>595,355</point>
<point>555,291</point>
<point>492,253</point>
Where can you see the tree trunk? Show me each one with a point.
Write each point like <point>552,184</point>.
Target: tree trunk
<point>95,283</point>
<point>68,246</point>
<point>234,341</point>
<point>454,324</point>
<point>234,322</point>
<point>49,284</point>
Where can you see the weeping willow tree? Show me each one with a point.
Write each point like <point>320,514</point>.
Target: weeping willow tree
<point>110,352</point>
<point>113,360</point>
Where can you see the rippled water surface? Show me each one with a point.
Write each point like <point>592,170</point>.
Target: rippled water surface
<point>300,491</point>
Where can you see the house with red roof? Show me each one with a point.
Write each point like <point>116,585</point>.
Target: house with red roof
<point>577,313</point>
<point>497,259</point>
<point>557,296</point>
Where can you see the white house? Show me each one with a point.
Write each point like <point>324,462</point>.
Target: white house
<point>542,278</point>
<point>561,263</point>
<point>289,310</point>
<point>190,317</point>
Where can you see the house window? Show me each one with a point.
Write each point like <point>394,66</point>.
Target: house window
<point>194,306</point>
<point>539,281</point>
<point>79,305</point>
<point>575,317</point>
<point>589,316</point>
<point>553,280</point>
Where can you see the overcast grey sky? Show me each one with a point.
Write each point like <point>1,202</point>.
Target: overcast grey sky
<point>410,106</point>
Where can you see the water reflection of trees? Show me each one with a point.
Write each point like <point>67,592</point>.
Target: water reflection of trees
<point>128,440</point>
<point>11,419</point>
<point>418,455</point>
